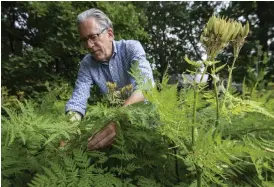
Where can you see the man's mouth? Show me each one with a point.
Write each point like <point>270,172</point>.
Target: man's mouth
<point>95,52</point>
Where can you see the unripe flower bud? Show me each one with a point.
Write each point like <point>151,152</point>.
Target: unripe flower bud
<point>237,30</point>
<point>210,24</point>
<point>216,26</point>
<point>205,32</point>
<point>246,29</point>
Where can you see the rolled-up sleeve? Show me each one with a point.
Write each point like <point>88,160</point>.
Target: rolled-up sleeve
<point>81,93</point>
<point>137,53</point>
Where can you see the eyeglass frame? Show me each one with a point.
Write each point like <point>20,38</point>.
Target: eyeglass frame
<point>87,39</point>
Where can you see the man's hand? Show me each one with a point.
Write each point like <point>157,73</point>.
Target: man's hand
<point>73,116</point>
<point>136,97</point>
<point>106,136</point>
<point>103,138</point>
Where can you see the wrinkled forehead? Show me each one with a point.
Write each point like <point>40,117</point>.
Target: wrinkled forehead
<point>89,26</point>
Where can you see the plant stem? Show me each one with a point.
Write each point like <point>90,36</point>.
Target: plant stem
<point>254,87</point>
<point>230,73</point>
<point>236,53</point>
<point>176,165</point>
<point>198,169</point>
<point>195,106</point>
<point>203,74</point>
<point>196,92</point>
<point>194,117</point>
<point>217,103</point>
<point>199,176</point>
<point>216,93</point>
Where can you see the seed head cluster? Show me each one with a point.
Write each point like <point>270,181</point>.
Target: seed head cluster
<point>219,32</point>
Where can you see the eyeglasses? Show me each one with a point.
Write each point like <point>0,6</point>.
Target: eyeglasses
<point>93,38</point>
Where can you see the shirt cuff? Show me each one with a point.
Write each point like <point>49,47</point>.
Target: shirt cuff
<point>75,109</point>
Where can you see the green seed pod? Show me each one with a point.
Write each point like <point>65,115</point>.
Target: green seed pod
<point>209,25</point>
<point>205,32</point>
<point>221,27</point>
<point>242,32</point>
<point>237,30</point>
<point>216,26</point>
<point>201,38</point>
<point>246,29</point>
<point>225,33</point>
<point>231,30</point>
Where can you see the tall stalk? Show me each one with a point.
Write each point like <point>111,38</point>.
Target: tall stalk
<point>236,50</point>
<point>230,73</point>
<point>211,58</point>
<point>198,169</point>
<point>217,34</point>
<point>194,116</point>
<point>196,94</point>
<point>216,99</point>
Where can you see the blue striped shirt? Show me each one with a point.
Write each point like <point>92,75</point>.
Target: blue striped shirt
<point>116,70</point>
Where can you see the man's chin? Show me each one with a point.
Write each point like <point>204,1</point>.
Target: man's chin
<point>98,57</point>
<point>94,55</point>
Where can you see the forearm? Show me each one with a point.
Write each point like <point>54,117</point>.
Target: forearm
<point>136,96</point>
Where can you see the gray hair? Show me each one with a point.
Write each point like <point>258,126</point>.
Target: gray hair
<point>101,18</point>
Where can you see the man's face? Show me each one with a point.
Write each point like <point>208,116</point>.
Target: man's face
<point>98,43</point>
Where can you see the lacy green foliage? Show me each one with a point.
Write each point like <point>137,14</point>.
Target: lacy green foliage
<point>141,81</point>
<point>9,100</point>
<point>32,134</point>
<point>265,97</point>
<point>237,106</point>
<point>147,182</point>
<point>133,154</point>
<point>75,170</point>
<point>137,141</point>
<point>13,164</point>
<point>31,126</point>
<point>153,146</point>
<point>220,156</point>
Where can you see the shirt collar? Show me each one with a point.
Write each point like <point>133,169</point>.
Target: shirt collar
<point>114,48</point>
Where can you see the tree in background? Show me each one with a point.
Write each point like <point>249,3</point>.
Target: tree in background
<point>40,40</point>
<point>174,29</point>
<point>261,38</point>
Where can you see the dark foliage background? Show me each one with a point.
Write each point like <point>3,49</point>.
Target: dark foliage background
<point>39,40</point>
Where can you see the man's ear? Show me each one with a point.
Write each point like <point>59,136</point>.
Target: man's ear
<point>110,33</point>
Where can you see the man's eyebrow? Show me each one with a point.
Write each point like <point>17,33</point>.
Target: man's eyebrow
<point>87,36</point>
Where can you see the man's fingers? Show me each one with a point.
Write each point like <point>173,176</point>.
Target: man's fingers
<point>111,127</point>
<point>99,137</point>
<point>102,138</point>
<point>110,142</point>
<point>62,143</point>
<point>93,142</point>
<point>103,143</point>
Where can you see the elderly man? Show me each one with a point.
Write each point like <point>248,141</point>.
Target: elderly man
<point>108,61</point>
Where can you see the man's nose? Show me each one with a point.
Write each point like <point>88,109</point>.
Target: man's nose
<point>90,44</point>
